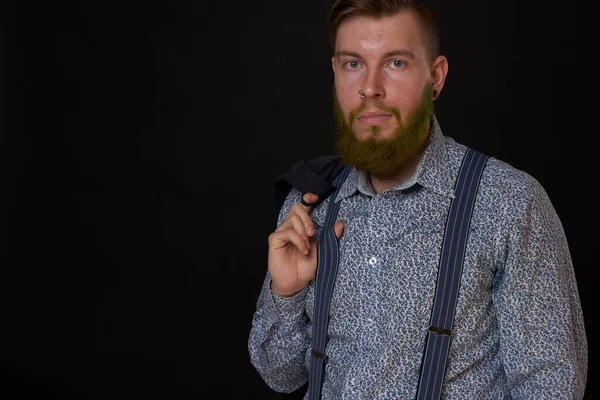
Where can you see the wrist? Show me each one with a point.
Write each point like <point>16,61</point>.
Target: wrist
<point>284,292</point>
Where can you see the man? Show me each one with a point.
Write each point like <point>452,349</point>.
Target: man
<point>518,329</point>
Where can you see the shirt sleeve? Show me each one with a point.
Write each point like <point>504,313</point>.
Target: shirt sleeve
<point>279,335</point>
<point>536,300</point>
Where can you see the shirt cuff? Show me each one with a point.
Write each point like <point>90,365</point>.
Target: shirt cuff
<point>288,309</point>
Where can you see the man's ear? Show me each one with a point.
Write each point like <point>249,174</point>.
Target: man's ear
<point>333,64</point>
<point>439,71</point>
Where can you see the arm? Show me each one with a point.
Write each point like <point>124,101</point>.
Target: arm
<point>536,300</point>
<point>280,333</point>
<point>279,339</point>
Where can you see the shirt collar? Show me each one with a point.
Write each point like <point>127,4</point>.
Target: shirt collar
<point>436,170</point>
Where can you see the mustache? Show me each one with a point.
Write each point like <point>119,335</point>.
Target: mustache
<point>373,104</point>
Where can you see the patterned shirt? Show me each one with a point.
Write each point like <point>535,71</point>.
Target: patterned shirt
<point>518,328</point>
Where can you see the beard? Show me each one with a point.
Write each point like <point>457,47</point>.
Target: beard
<point>377,154</point>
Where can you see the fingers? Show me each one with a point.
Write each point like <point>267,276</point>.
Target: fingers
<point>306,203</point>
<point>298,224</point>
<point>338,228</point>
<point>281,238</point>
<point>300,211</point>
<point>308,200</point>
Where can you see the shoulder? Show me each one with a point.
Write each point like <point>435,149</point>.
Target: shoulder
<point>498,175</point>
<point>508,182</point>
<point>512,196</point>
<point>313,175</point>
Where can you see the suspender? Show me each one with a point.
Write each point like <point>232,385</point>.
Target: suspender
<point>449,274</point>
<point>328,258</point>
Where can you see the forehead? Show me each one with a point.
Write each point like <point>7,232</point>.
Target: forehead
<point>365,33</point>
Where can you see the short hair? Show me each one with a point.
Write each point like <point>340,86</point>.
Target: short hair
<point>344,9</point>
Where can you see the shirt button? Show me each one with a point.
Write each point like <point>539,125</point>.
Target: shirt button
<point>372,260</point>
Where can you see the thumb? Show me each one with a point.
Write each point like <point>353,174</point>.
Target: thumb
<point>338,228</point>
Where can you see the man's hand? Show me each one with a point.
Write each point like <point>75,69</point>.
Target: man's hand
<point>292,260</point>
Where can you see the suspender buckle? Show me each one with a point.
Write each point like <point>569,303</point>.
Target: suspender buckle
<point>441,331</point>
<point>318,354</point>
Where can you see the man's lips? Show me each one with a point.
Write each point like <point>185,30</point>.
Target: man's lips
<point>373,118</point>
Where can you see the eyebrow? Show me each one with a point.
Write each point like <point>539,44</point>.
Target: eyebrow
<point>402,52</point>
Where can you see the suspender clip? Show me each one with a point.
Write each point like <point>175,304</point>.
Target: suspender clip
<point>318,354</point>
<point>441,331</point>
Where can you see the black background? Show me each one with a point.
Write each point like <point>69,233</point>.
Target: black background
<point>140,142</point>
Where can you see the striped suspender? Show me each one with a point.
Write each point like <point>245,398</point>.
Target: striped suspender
<point>328,258</point>
<point>455,238</point>
<point>449,274</point>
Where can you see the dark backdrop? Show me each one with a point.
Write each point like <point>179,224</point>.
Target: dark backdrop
<point>140,142</point>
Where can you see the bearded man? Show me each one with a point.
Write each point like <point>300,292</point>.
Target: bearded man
<point>516,328</point>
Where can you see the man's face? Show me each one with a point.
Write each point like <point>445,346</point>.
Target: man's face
<point>387,61</point>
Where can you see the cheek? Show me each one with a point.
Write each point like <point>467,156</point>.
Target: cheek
<point>347,97</point>
<point>403,96</point>
<point>348,83</point>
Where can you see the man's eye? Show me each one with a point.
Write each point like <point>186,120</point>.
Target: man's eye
<point>398,63</point>
<point>353,64</point>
